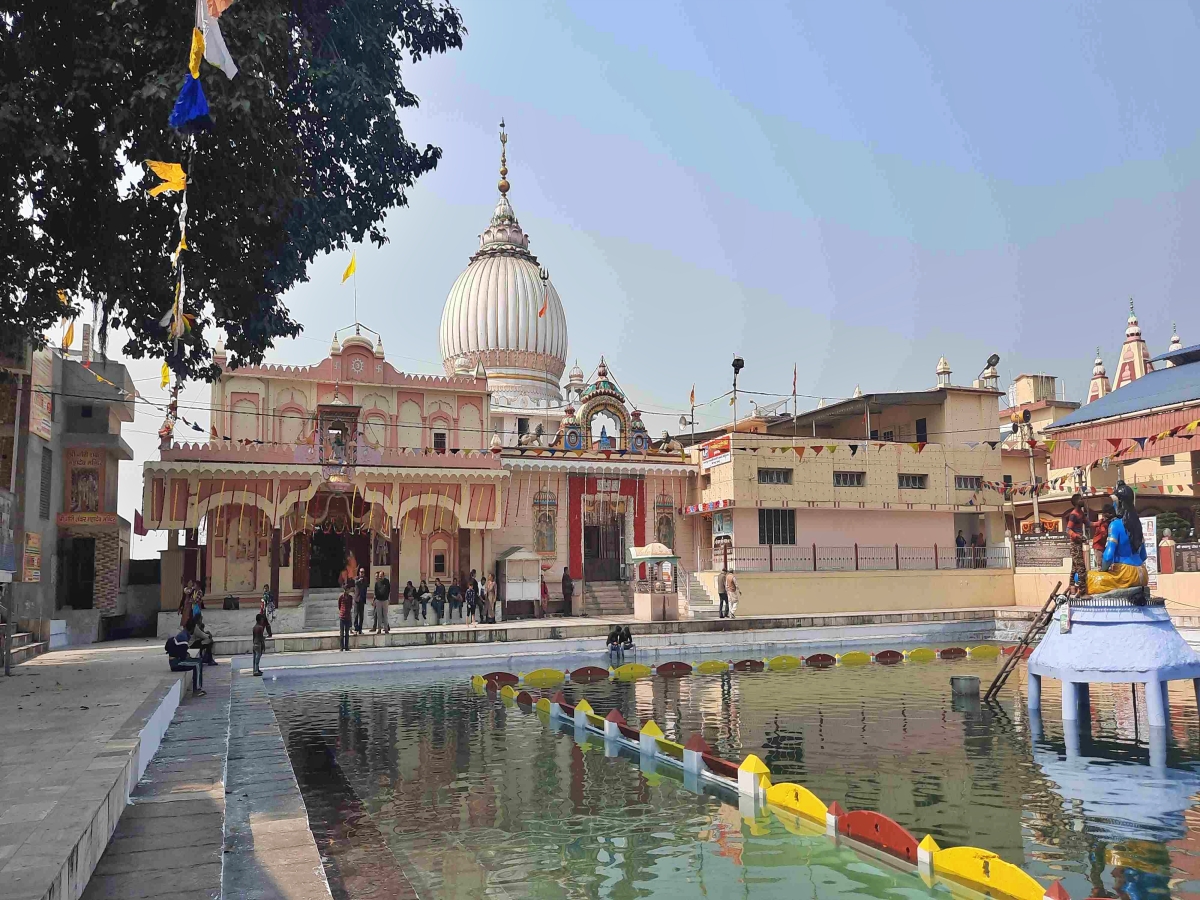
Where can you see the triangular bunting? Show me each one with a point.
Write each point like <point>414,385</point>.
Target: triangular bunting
<point>817,450</point>
<point>1074,445</point>
<point>917,446</point>
<point>1141,442</point>
<point>831,447</point>
<point>1049,445</point>
<point>1116,442</point>
<point>854,449</point>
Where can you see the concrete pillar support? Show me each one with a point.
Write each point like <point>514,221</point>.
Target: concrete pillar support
<point>1156,705</point>
<point>1034,692</point>
<point>1070,701</point>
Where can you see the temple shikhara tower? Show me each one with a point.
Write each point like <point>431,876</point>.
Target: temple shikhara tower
<point>1099,385</point>
<point>1135,358</point>
<point>312,472</point>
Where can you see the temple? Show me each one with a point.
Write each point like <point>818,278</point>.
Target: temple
<point>311,472</point>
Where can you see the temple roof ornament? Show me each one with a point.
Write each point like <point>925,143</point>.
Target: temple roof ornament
<point>1135,357</point>
<point>602,386</point>
<point>1099,386</point>
<point>1176,344</point>
<point>943,372</point>
<point>504,312</point>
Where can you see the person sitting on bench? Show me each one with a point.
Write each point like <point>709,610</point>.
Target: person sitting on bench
<point>180,661</point>
<point>202,639</point>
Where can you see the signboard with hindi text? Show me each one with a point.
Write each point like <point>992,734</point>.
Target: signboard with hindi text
<point>1187,556</point>
<point>716,452</point>
<point>1041,551</point>
<point>41,398</point>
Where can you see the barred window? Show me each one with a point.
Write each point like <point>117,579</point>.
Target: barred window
<point>912,482</point>
<point>849,479</point>
<point>968,482</point>
<point>777,526</point>
<point>46,482</point>
<point>774,476</point>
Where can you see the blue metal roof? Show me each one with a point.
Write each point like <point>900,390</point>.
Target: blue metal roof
<point>1162,387</point>
<point>1180,356</point>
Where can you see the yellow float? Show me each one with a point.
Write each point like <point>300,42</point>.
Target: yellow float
<point>712,667</point>
<point>797,799</point>
<point>853,658</point>
<point>783,662</point>
<point>984,868</point>
<point>983,651</point>
<point>544,678</point>
<point>921,654</point>
<point>631,671</point>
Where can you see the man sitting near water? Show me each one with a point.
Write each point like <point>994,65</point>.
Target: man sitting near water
<point>180,661</point>
<point>614,639</point>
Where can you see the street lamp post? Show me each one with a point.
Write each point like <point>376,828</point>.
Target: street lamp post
<point>738,365</point>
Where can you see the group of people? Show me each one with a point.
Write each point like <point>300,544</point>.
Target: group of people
<point>972,553</point>
<point>619,639</point>
<point>1118,548</point>
<point>465,597</point>
<point>727,593</point>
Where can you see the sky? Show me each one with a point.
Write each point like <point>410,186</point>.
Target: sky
<point>850,189</point>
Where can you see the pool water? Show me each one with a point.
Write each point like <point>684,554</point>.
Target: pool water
<point>418,786</point>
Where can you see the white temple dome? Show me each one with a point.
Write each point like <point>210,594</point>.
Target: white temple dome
<point>491,313</point>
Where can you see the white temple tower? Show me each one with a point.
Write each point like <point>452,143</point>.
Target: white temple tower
<point>1135,357</point>
<point>1099,385</point>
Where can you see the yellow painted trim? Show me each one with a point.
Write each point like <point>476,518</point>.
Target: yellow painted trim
<point>983,651</point>
<point>928,844</point>
<point>783,662</point>
<point>583,705</point>
<point>982,867</point>
<point>921,654</point>
<point>712,667</point>
<point>853,658</point>
<point>754,765</point>
<point>798,825</point>
<point>595,721</point>
<point>648,727</point>
<point>797,799</point>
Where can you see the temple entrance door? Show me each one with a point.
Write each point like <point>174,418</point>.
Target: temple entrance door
<point>241,551</point>
<point>335,557</point>
<point>603,542</point>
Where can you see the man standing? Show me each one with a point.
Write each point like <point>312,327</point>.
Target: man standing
<point>360,598</point>
<point>1077,527</point>
<point>345,610</point>
<point>960,552</point>
<point>1100,533</point>
<point>383,592</point>
<point>568,591</point>
<point>723,592</point>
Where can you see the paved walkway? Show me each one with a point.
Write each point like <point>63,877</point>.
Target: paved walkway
<point>168,841</point>
<point>69,726</point>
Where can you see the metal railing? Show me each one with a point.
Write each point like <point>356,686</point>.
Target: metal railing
<point>859,558</point>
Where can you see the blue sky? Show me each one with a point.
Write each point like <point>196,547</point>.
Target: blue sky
<point>854,188</point>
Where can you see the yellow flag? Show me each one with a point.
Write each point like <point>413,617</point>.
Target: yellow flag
<point>166,375</point>
<point>62,298</point>
<point>172,175</point>
<point>69,337</point>
<point>197,52</point>
<point>350,269</point>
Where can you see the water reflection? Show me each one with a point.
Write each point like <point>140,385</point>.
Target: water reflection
<point>419,787</point>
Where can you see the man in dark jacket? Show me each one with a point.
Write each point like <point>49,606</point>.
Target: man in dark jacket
<point>361,583</point>
<point>345,608</point>
<point>568,590</point>
<point>379,616</point>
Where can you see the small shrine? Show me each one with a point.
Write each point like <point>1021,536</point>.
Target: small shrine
<point>600,399</point>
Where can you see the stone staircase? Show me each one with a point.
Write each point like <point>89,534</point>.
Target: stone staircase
<point>607,598</point>
<point>24,647</point>
<point>700,603</point>
<point>320,609</point>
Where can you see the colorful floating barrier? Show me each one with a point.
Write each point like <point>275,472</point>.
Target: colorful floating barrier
<point>749,665</point>
<point>712,667</point>
<point>853,658</point>
<point>673,669</point>
<point>1025,654</point>
<point>920,654</point>
<point>952,653</point>
<point>502,678</point>
<point>801,811</point>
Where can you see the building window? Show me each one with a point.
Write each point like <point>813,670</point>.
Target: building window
<point>522,425</point>
<point>922,431</point>
<point>889,435</point>
<point>1008,487</point>
<point>1167,460</point>
<point>912,482</point>
<point>777,526</point>
<point>874,434</point>
<point>46,483</point>
<point>705,481</point>
<point>439,441</point>
<point>85,412</point>
<point>439,564</point>
<point>774,476</point>
<point>849,479</point>
<point>968,482</point>
<point>545,519</point>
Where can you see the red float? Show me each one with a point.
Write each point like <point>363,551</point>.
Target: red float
<point>633,734</point>
<point>889,657</point>
<point>1008,651</point>
<point>502,678</point>
<point>722,767</point>
<point>524,699</point>
<point>952,653</point>
<point>589,675</point>
<point>614,715</point>
<point>880,832</point>
<point>820,660</point>
<point>673,669</point>
<point>491,687</point>
<point>697,744</point>
<point>749,665</point>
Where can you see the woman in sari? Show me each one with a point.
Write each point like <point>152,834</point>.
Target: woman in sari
<point>1124,561</point>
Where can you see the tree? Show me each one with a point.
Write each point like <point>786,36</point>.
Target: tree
<point>306,154</point>
<point>1181,529</point>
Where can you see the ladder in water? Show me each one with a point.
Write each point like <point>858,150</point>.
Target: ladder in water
<point>1035,631</point>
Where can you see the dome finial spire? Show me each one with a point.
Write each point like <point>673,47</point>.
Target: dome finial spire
<point>503,185</point>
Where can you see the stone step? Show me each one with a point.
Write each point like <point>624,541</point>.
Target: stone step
<point>24,647</point>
